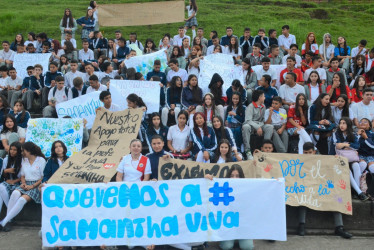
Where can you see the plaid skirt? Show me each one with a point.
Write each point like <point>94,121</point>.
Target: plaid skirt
<point>366,158</point>
<point>10,188</point>
<point>33,193</point>
<point>191,22</point>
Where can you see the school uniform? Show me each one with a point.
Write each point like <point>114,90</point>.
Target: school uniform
<point>178,41</point>
<point>171,98</point>
<point>321,72</point>
<point>278,119</point>
<point>229,93</point>
<point>360,110</point>
<point>18,116</point>
<point>70,76</point>
<point>50,168</point>
<point>299,75</point>
<point>77,93</point>
<point>202,143</point>
<point>355,50</point>
<point>187,97</point>
<point>8,188</point>
<point>101,88</point>
<point>338,93</point>
<point>271,72</point>
<point>225,40</point>
<point>234,123</point>
<point>229,135</point>
<point>298,60</point>
<point>330,74</point>
<point>286,41</point>
<point>31,84</point>
<point>232,52</point>
<point>160,74</point>
<point>264,42</point>
<point>73,29</point>
<point>366,149</point>
<point>86,56</point>
<point>270,92</point>
<point>7,55</point>
<point>337,114</point>
<point>49,77</point>
<point>154,158</point>
<point>179,138</point>
<point>246,45</point>
<point>151,131</point>
<point>255,60</point>
<point>182,73</point>
<point>289,94</point>
<point>275,60</point>
<point>89,26</point>
<point>73,41</point>
<point>122,52</point>
<point>369,63</point>
<point>137,43</point>
<point>210,49</point>
<point>250,83</point>
<point>131,170</point>
<point>312,92</point>
<point>61,95</point>
<point>329,50</point>
<point>313,48</point>
<point>192,21</point>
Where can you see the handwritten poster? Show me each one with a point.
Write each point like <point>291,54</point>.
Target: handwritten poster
<point>149,91</point>
<point>81,107</point>
<point>163,212</point>
<point>317,182</point>
<point>22,61</point>
<point>44,131</point>
<point>144,63</point>
<point>109,140</point>
<point>173,169</point>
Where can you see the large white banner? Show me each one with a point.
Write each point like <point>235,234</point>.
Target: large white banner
<point>144,63</point>
<point>149,91</point>
<point>81,107</point>
<point>22,61</point>
<point>163,212</point>
<point>220,58</point>
<point>277,68</point>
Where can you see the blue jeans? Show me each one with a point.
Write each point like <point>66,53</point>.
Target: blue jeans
<point>244,244</point>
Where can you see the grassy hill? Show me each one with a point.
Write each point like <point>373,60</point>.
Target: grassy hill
<point>351,19</point>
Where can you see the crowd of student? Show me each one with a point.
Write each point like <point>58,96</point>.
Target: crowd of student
<point>323,100</point>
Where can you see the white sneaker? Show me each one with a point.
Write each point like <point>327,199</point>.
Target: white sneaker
<point>249,155</point>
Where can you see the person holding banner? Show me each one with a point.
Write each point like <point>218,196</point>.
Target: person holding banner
<point>179,137</point>
<point>134,166</point>
<point>32,169</point>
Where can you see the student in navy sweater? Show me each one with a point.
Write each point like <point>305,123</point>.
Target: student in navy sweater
<point>173,100</point>
<point>156,72</point>
<point>88,23</point>
<point>22,116</point>
<point>155,127</point>
<point>158,145</point>
<point>49,81</point>
<point>58,157</point>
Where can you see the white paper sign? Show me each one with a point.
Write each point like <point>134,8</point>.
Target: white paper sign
<point>220,58</point>
<point>163,212</point>
<point>81,107</point>
<point>277,68</point>
<point>149,91</point>
<point>22,61</point>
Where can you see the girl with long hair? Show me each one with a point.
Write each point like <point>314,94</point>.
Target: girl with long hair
<point>197,42</point>
<point>88,23</point>
<point>215,86</point>
<point>341,109</point>
<point>193,60</point>
<point>179,137</point>
<point>326,50</point>
<point>366,149</point>
<point>192,95</point>
<point>191,21</point>
<point>235,115</point>
<point>358,87</point>
<point>250,78</point>
<point>20,113</point>
<point>342,52</point>
<point>58,157</point>
<point>210,109</point>
<point>150,46</point>
<point>310,45</point>
<point>236,86</point>
<point>314,87</point>
<point>68,23</point>
<point>11,132</point>
<point>337,88</point>
<point>156,127</point>
<point>173,99</point>
<point>18,41</point>
<point>233,49</point>
<point>178,54</point>
<point>358,66</point>
<point>223,152</point>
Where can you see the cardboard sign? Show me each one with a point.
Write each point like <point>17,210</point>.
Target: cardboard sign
<point>163,212</point>
<point>109,141</point>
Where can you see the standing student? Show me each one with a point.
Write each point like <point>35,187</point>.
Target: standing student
<point>58,157</point>
<point>156,127</point>
<point>11,133</point>
<point>342,52</point>
<point>158,151</point>
<point>308,148</point>
<point>173,100</point>
<point>337,88</point>
<point>88,23</point>
<point>32,169</point>
<point>286,39</point>
<point>210,109</point>
<point>298,120</point>
<point>224,133</point>
<point>326,50</point>
<point>270,92</point>
<point>94,7</point>
<point>366,140</point>
<point>179,137</point>
<point>246,42</point>
<point>345,139</point>
<point>68,23</point>
<point>21,115</point>
<point>261,39</point>
<point>314,87</point>
<point>203,138</point>
<point>254,122</point>
<point>235,115</point>
<point>310,45</point>
<point>250,78</point>
<point>341,109</point>
<point>11,174</point>
<point>134,167</point>
<point>191,21</point>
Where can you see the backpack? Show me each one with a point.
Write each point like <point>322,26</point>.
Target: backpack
<point>66,91</point>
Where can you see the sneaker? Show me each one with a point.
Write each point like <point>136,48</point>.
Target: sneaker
<point>249,155</point>
<point>362,197</point>
<point>340,231</point>
<point>7,227</point>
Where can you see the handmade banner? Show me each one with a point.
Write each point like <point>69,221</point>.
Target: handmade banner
<point>109,140</point>
<point>149,91</point>
<point>277,68</point>
<point>317,182</point>
<point>81,107</point>
<point>171,169</point>
<point>221,58</point>
<point>141,13</point>
<point>22,61</point>
<point>144,63</point>
<point>44,131</point>
<point>163,212</point>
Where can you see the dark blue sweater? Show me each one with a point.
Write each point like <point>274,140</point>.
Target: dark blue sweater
<point>154,158</point>
<point>50,168</point>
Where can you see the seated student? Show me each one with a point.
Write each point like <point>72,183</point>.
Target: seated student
<point>58,157</point>
<point>79,89</point>
<point>275,55</point>
<point>246,41</point>
<point>134,102</point>
<point>290,90</point>
<point>218,49</point>
<point>224,133</point>
<point>150,46</point>
<point>177,53</point>
<point>69,37</point>
<point>225,40</point>
<point>95,85</point>
<point>177,39</point>
<point>156,72</point>
<point>250,78</point>
<point>4,76</point>
<point>108,72</point>
<point>155,127</point>
<point>277,116</point>
<point>133,39</point>
<point>233,49</point>
<point>369,78</point>
<point>85,55</point>
<point>60,93</point>
<point>358,87</point>
<point>49,82</point>
<point>32,169</point>
<point>176,71</point>
<point>334,68</point>
<point>306,62</point>
<point>314,87</point>
<point>186,49</point>
<point>72,74</point>
<point>193,60</point>
<point>13,83</point>
<point>236,86</point>
<point>11,175</point>
<point>6,55</point>
<point>298,120</point>
<point>158,151</point>
<point>270,92</point>
<point>223,153</point>
<point>342,52</point>
<point>326,50</point>
<point>200,34</point>
<point>272,37</point>
<point>11,133</point>
<point>308,148</point>
<point>286,39</point>
<point>321,122</point>
<point>106,98</point>
<point>255,57</point>
<point>360,49</point>
<point>341,109</point>
<point>345,139</point>
<point>22,116</point>
<point>192,95</point>
<point>215,42</point>
<point>357,68</point>
<point>364,109</point>
<point>266,70</point>
<point>366,140</point>
<point>4,108</point>
<point>261,39</point>
<point>266,147</point>
<point>310,45</point>
<point>215,87</point>
<point>317,62</point>
<point>179,137</point>
<point>235,115</point>
<point>64,65</point>
<point>173,100</point>
<point>134,167</point>
<point>100,44</point>
<point>254,122</point>
<point>203,138</point>
<point>337,88</point>
<point>122,51</point>
<point>90,71</point>
<point>210,109</point>
<point>370,60</point>
<point>293,52</point>
<point>291,62</point>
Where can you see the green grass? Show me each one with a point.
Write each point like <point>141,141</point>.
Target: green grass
<point>351,19</point>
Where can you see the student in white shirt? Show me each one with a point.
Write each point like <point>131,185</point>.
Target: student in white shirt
<point>233,49</point>
<point>95,85</point>
<point>6,54</point>
<point>69,37</point>
<point>72,74</point>
<point>85,55</point>
<point>360,49</point>
<point>133,40</point>
<point>292,51</point>
<point>178,39</point>
<point>317,62</point>
<point>4,76</point>
<point>179,136</point>
<point>365,108</point>
<point>286,39</point>
<point>11,133</point>
<point>215,41</point>
<point>106,98</point>
<point>90,71</point>
<point>176,71</point>
<point>289,91</point>
<point>134,167</point>
<point>266,70</point>
<point>13,83</point>
<point>326,50</point>
<point>58,93</point>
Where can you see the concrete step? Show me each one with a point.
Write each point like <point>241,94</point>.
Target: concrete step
<point>317,223</point>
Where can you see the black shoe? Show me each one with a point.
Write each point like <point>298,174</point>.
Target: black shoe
<point>1,227</point>
<point>7,227</point>
<point>340,231</point>
<point>199,247</point>
<point>301,230</point>
<point>363,197</point>
<point>271,241</point>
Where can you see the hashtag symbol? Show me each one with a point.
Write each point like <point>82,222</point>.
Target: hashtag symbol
<point>216,190</point>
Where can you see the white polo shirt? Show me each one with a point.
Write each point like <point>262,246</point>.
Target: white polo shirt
<point>13,83</point>
<point>182,73</point>
<point>70,76</point>
<point>286,41</point>
<point>177,40</point>
<point>7,55</point>
<point>128,168</point>
<point>73,41</point>
<point>321,73</point>
<point>277,119</point>
<point>60,95</point>
<point>33,172</point>
<point>271,72</point>
<point>297,57</point>
<point>85,56</point>
<point>360,110</point>
<point>179,138</point>
<point>289,94</point>
<point>101,88</point>
<point>114,108</point>
<point>210,49</point>
<point>3,81</point>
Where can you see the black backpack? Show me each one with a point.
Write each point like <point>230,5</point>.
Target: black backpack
<point>66,91</point>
